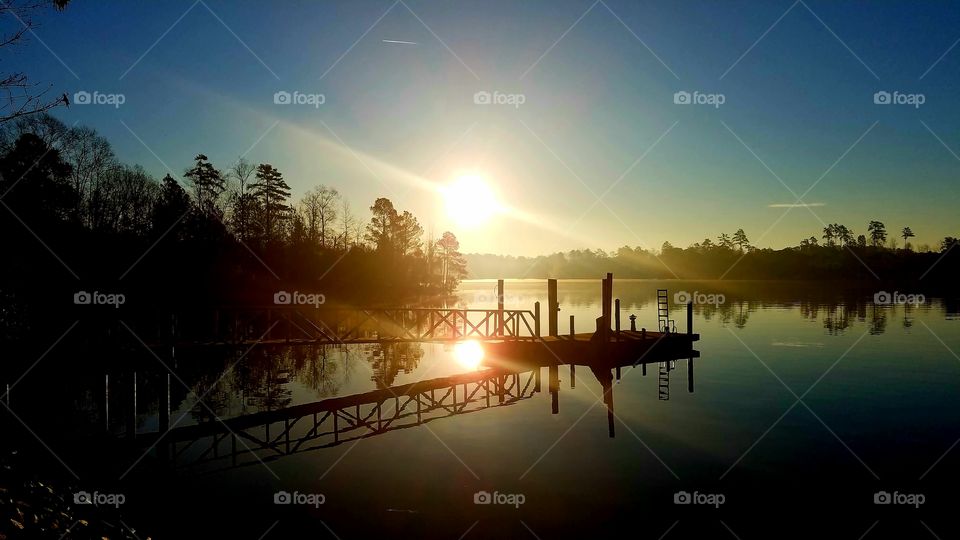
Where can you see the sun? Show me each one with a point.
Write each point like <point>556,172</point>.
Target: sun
<point>469,201</point>
<point>468,354</point>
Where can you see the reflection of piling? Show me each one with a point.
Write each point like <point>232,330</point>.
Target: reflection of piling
<point>573,368</point>
<point>690,375</point>
<point>608,400</point>
<point>554,382</point>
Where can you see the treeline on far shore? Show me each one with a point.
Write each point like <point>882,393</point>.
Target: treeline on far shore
<point>858,259</point>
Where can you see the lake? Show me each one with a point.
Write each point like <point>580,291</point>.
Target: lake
<point>815,408</point>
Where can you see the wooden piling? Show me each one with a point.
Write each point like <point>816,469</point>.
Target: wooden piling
<point>689,318</point>
<point>572,331</point>
<point>536,319</point>
<point>690,375</point>
<point>553,307</point>
<point>165,406</point>
<point>616,317</point>
<point>106,400</point>
<point>499,307</point>
<point>132,421</point>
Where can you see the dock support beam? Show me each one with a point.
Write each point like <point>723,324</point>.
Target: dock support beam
<point>616,317</point>
<point>499,307</point>
<point>607,302</point>
<point>536,319</point>
<point>553,306</point>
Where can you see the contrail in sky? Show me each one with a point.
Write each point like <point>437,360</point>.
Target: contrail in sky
<point>398,41</point>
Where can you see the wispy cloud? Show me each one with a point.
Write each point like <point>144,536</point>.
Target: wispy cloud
<point>796,205</point>
<point>399,41</point>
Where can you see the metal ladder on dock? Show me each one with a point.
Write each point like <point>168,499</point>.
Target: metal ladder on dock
<point>663,312</point>
<point>663,381</point>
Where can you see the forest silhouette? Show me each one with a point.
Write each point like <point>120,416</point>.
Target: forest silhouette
<point>75,218</point>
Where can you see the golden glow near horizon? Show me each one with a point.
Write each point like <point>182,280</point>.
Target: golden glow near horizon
<point>469,200</point>
<point>468,354</point>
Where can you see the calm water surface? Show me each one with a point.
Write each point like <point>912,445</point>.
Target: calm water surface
<point>806,403</point>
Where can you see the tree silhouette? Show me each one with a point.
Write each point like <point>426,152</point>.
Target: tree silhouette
<point>947,243</point>
<point>740,239</point>
<point>208,183</point>
<point>23,98</point>
<point>906,234</point>
<point>878,233</point>
<point>453,266</point>
<point>272,193</point>
<point>724,241</point>
<point>381,225</point>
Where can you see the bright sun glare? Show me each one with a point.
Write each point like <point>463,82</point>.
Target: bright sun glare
<point>468,353</point>
<point>470,201</point>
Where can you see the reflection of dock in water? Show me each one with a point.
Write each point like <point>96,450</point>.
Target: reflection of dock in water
<point>269,435</point>
<point>272,434</point>
<point>513,373</point>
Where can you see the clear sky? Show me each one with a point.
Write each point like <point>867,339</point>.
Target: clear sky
<point>598,115</point>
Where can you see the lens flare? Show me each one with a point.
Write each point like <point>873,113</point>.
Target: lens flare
<point>468,354</point>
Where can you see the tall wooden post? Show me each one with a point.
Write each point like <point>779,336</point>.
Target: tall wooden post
<point>616,317</point>
<point>106,400</point>
<point>553,306</point>
<point>132,421</point>
<point>536,319</point>
<point>499,307</point>
<point>689,318</point>
<point>607,300</point>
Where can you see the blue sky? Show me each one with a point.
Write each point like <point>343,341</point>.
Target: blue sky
<point>598,82</point>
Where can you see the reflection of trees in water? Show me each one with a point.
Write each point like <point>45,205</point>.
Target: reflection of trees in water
<point>324,368</point>
<point>389,359</point>
<point>907,319</point>
<point>836,321</point>
<point>737,313</point>
<point>878,321</point>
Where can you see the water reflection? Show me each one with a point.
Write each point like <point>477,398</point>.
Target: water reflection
<point>267,424</point>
